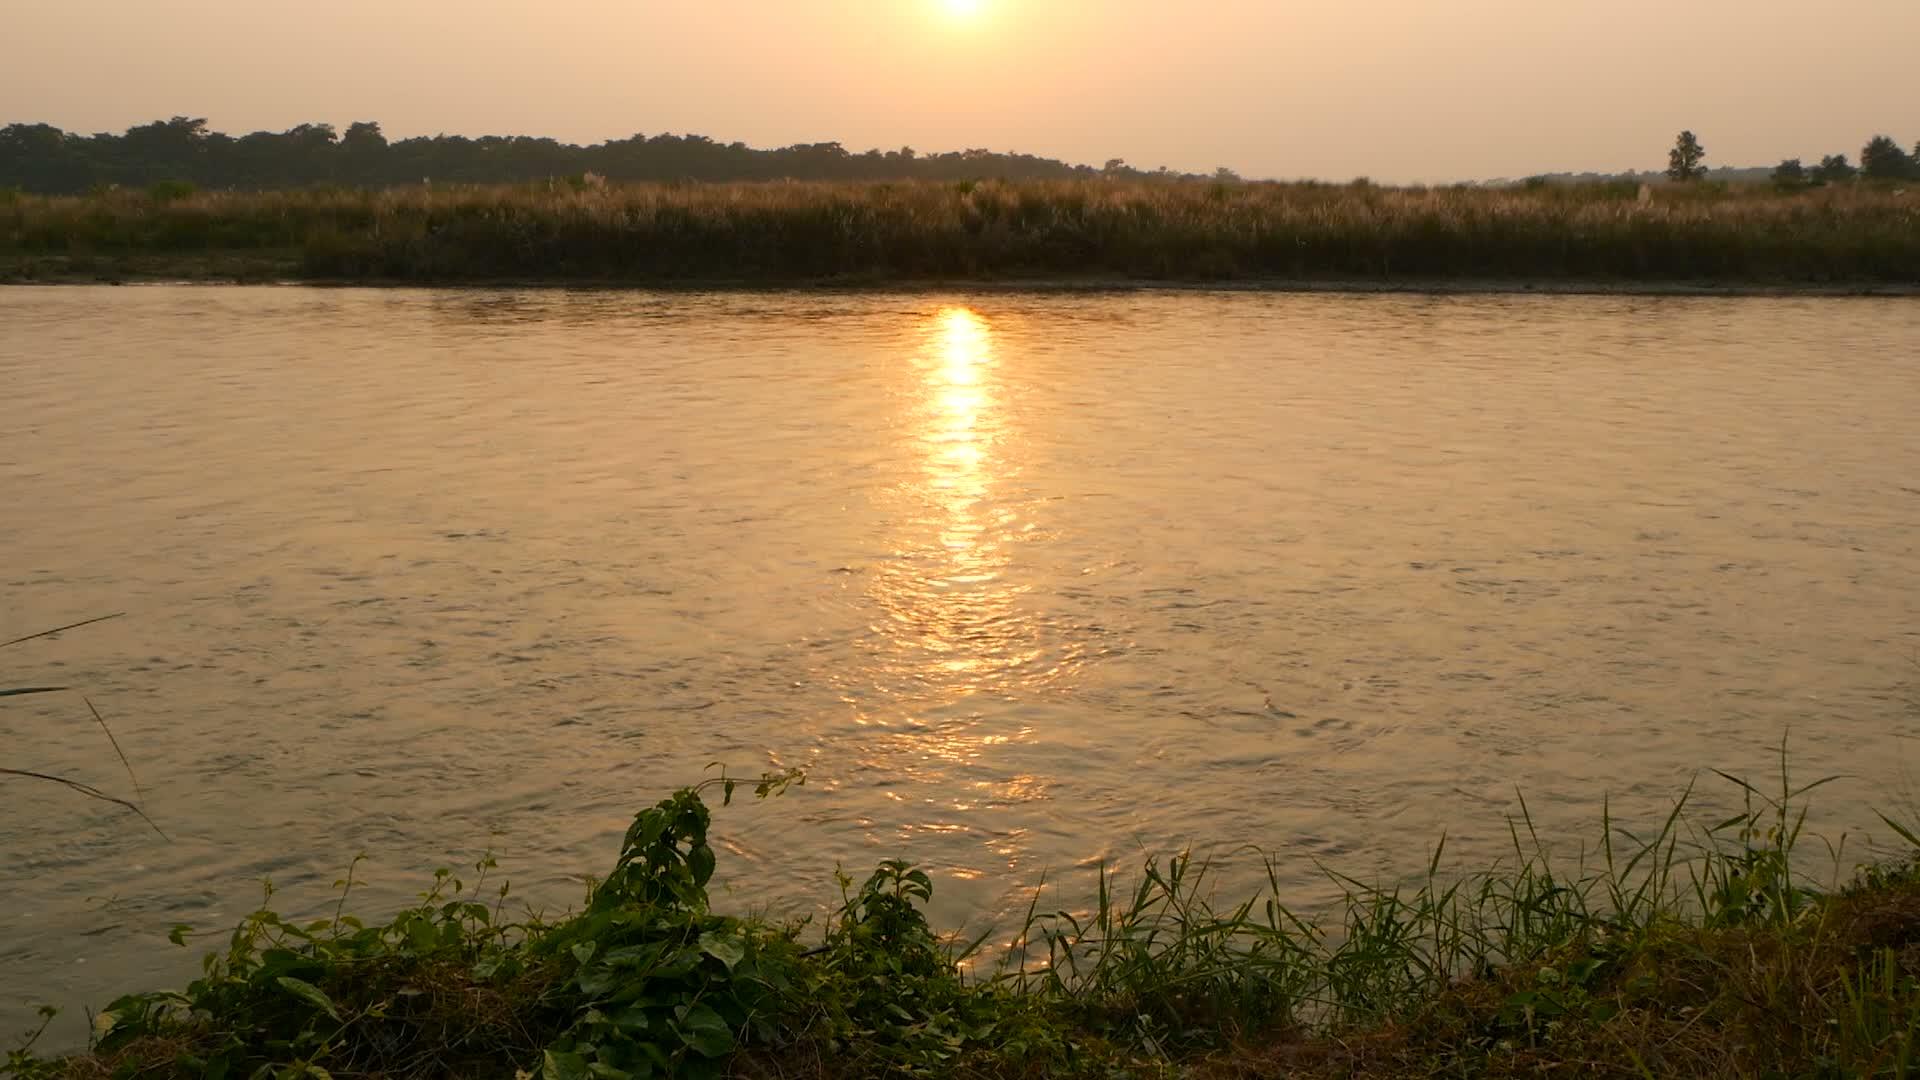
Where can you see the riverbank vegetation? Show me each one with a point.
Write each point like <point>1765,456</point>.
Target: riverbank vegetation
<point>1681,951</point>
<point>587,230</point>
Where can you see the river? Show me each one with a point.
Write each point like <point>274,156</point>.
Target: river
<point>1024,581</point>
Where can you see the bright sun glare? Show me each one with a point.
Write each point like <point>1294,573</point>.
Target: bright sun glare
<point>963,9</point>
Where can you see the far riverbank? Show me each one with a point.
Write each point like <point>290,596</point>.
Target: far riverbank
<point>230,268</point>
<point>1709,239</point>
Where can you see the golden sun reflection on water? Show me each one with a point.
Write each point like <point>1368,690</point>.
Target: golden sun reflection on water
<point>950,611</point>
<point>949,629</point>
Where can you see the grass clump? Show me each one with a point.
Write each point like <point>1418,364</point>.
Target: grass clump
<point>1690,951</point>
<point>785,233</point>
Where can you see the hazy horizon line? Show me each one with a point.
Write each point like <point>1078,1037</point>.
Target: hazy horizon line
<point>1653,170</point>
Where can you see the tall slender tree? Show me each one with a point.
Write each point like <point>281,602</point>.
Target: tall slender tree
<point>1683,161</point>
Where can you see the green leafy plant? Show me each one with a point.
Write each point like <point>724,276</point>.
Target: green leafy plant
<point>659,985</point>
<point>1680,952</point>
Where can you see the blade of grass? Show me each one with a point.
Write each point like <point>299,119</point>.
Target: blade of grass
<point>89,791</point>
<point>58,629</point>
<point>1905,833</point>
<point>102,721</point>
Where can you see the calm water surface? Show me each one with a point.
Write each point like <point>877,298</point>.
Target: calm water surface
<point>1024,582</point>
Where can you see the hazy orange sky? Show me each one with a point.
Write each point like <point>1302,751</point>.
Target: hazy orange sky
<point>1393,89</point>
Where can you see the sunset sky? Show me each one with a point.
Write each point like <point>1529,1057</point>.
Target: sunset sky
<point>1398,90</point>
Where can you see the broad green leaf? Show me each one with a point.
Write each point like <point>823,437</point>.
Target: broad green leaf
<point>659,1058</point>
<point>705,1032</point>
<point>727,950</point>
<point>308,993</point>
<point>583,952</point>
<point>700,861</point>
<point>596,981</point>
<point>633,955</point>
<point>651,825</point>
<point>283,961</point>
<point>563,1067</point>
<point>677,964</point>
<point>421,936</point>
<point>608,1072</point>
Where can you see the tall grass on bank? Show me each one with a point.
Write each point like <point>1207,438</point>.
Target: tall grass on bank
<point>771,233</point>
<point>1694,950</point>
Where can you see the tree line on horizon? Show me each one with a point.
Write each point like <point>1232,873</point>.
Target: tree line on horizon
<point>181,153</point>
<point>1880,159</point>
<point>44,159</point>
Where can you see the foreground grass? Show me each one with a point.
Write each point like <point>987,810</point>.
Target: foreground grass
<point>789,233</point>
<point>1693,951</point>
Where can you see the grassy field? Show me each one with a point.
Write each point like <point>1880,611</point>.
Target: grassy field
<point>1059,231</point>
<point>1683,951</point>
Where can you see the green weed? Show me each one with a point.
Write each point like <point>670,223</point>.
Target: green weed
<point>1691,950</point>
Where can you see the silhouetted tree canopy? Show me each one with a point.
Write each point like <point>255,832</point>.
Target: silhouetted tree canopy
<point>1882,159</point>
<point>1834,168</point>
<point>43,158</point>
<point>1683,161</point>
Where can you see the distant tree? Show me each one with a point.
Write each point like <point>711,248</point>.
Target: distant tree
<point>364,150</point>
<point>1882,159</point>
<point>363,136</point>
<point>1834,169</point>
<point>1114,166</point>
<point>41,157</point>
<point>312,136</point>
<point>1790,174</point>
<point>1683,161</point>
<point>1224,175</point>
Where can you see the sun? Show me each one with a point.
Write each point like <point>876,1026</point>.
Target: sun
<point>963,9</point>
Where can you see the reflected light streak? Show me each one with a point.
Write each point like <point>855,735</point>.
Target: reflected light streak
<point>950,625</point>
<point>962,609</point>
